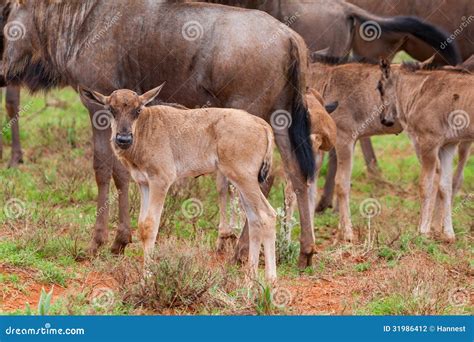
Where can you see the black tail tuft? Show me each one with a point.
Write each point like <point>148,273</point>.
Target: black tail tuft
<point>430,34</point>
<point>299,130</point>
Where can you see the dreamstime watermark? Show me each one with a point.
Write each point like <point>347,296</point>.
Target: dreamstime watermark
<point>103,297</point>
<point>192,208</point>
<point>464,202</point>
<point>282,29</point>
<point>458,120</point>
<point>465,22</point>
<point>102,119</point>
<point>370,30</point>
<point>280,119</point>
<point>14,208</point>
<point>374,115</point>
<point>47,329</point>
<point>370,207</point>
<point>281,297</point>
<point>107,204</point>
<point>14,30</point>
<point>21,111</point>
<point>192,30</point>
<point>99,34</point>
<point>459,296</point>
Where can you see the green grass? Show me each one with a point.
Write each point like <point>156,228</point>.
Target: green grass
<point>56,189</point>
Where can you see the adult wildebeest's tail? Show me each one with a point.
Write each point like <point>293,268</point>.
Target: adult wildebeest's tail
<point>299,130</point>
<point>426,32</point>
<point>267,159</point>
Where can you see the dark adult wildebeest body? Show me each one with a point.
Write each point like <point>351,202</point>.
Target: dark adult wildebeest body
<point>198,49</point>
<point>455,17</point>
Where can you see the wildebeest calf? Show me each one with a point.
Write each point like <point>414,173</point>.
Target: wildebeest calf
<point>161,144</point>
<point>436,109</point>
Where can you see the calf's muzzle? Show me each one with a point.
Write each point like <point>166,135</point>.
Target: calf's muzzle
<point>124,141</point>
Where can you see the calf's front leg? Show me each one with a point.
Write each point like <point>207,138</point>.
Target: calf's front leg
<point>149,220</point>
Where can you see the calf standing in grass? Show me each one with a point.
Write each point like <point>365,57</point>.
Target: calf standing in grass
<point>436,109</point>
<point>161,144</point>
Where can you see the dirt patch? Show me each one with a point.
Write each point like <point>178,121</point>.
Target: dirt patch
<point>15,294</point>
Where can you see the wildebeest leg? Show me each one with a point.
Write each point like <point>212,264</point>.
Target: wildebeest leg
<point>12,106</point>
<point>464,150</point>
<point>369,155</point>
<point>124,235</point>
<point>343,187</point>
<point>305,194</point>
<point>103,165</point>
<point>149,224</point>
<point>261,218</point>
<point>290,204</point>
<point>446,156</point>
<point>225,231</point>
<point>328,192</point>
<point>428,158</point>
<point>242,248</point>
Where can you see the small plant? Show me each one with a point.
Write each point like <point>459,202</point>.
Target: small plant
<point>286,250</point>
<point>178,277</point>
<point>44,303</point>
<point>362,267</point>
<point>263,300</point>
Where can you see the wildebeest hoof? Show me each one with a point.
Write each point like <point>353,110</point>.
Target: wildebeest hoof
<point>447,238</point>
<point>306,259</point>
<point>241,254</point>
<point>123,238</point>
<point>323,205</point>
<point>224,239</point>
<point>15,161</point>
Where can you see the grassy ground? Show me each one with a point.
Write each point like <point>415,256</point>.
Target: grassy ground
<point>48,210</point>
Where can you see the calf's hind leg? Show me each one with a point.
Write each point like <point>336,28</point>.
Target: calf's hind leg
<point>225,230</point>
<point>428,158</point>
<point>261,219</point>
<point>446,156</point>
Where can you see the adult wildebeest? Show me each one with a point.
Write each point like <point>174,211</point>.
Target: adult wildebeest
<point>195,48</point>
<point>338,25</point>
<point>162,144</point>
<point>436,109</point>
<point>455,17</point>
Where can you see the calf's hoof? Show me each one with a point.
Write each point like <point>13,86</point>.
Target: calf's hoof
<point>348,236</point>
<point>447,238</point>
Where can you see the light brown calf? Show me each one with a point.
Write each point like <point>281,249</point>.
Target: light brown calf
<point>436,109</point>
<point>161,144</point>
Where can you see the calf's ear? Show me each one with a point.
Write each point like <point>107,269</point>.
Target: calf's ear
<point>150,95</point>
<point>90,96</point>
<point>331,107</point>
